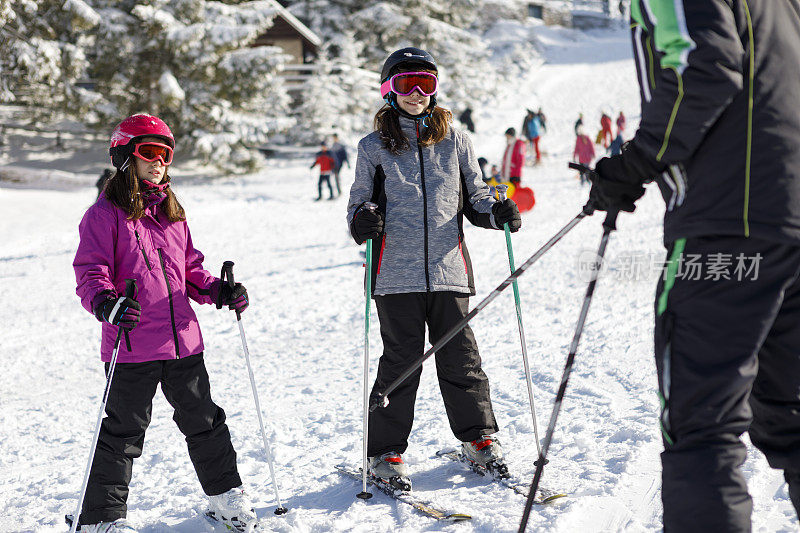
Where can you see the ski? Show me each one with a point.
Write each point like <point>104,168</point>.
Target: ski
<point>425,507</point>
<point>543,496</point>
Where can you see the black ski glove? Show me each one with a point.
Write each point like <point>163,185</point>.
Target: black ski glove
<point>366,224</point>
<point>507,212</point>
<point>123,312</point>
<point>235,298</point>
<point>617,180</point>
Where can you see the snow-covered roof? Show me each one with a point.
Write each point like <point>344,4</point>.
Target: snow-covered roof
<point>293,21</point>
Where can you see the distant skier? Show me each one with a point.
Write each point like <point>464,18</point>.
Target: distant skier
<point>532,128</point>
<point>466,119</point>
<point>717,135</point>
<point>615,148</point>
<point>578,123</point>
<point>339,153</point>
<point>513,158</point>
<point>423,175</point>
<point>101,181</point>
<point>326,163</point>
<point>482,162</point>
<point>584,152</point>
<point>621,123</point>
<point>605,136</point>
<point>137,229</point>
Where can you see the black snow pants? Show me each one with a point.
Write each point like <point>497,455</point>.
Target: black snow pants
<point>185,386</point>
<point>324,178</point>
<point>464,386</point>
<point>728,360</point>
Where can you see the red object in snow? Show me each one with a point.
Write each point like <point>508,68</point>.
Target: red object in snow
<point>524,198</point>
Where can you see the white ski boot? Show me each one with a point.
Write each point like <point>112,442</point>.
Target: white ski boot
<point>390,468</point>
<point>117,526</point>
<point>486,453</point>
<point>234,509</point>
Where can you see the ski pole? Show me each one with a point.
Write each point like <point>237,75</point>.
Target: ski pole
<point>501,190</point>
<point>381,399</point>
<point>364,494</point>
<point>227,275</point>
<point>609,225</point>
<point>130,292</point>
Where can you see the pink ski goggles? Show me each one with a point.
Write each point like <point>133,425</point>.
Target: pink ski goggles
<point>405,83</point>
<point>149,151</point>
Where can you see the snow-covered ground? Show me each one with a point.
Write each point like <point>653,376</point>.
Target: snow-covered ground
<point>304,328</point>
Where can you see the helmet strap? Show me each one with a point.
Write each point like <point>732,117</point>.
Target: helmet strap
<point>391,99</point>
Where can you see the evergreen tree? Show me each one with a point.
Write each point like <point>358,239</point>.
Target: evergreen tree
<point>191,63</point>
<point>42,56</point>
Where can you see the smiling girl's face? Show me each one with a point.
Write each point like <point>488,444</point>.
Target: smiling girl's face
<point>415,103</point>
<point>152,171</point>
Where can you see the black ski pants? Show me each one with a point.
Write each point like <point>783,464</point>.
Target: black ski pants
<point>463,384</point>
<point>324,178</point>
<point>728,360</point>
<point>185,386</point>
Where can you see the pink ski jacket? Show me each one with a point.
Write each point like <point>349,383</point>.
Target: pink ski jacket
<point>584,150</point>
<point>168,271</point>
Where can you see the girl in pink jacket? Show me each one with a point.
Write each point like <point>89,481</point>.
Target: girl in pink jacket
<point>584,151</point>
<point>137,229</point>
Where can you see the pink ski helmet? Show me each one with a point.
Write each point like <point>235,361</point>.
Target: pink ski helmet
<point>125,135</point>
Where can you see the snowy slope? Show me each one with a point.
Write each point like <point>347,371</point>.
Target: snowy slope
<point>304,327</point>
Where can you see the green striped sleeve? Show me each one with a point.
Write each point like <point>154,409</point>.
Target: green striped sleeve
<point>671,33</point>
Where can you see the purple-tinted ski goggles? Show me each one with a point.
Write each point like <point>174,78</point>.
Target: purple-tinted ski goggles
<point>405,83</point>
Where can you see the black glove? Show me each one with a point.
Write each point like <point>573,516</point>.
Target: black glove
<point>123,312</point>
<point>234,297</point>
<point>366,224</point>
<point>617,180</point>
<point>507,212</point>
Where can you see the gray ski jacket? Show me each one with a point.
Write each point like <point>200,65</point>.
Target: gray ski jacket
<point>423,194</point>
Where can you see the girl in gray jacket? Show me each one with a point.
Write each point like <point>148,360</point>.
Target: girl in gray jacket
<point>425,178</point>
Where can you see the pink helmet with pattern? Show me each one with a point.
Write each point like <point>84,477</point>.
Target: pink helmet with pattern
<point>136,126</point>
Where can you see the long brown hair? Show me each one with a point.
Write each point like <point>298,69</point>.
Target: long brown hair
<point>387,123</point>
<point>124,191</point>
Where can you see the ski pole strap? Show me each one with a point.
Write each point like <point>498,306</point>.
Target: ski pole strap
<point>130,292</point>
<point>381,398</point>
<point>610,223</point>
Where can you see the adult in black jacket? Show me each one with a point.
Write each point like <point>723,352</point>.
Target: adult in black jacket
<point>720,133</point>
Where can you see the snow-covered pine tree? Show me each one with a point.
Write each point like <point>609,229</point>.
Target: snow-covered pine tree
<point>191,62</point>
<point>449,29</point>
<point>42,46</point>
<point>322,102</point>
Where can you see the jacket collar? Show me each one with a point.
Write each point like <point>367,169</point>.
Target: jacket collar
<point>409,126</point>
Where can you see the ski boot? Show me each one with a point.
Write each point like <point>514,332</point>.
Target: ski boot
<point>233,509</point>
<point>391,469</point>
<point>486,453</point>
<point>117,526</point>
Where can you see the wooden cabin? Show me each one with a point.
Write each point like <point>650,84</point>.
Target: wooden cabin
<point>292,36</point>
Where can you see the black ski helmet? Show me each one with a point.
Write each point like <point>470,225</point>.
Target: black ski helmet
<point>408,56</point>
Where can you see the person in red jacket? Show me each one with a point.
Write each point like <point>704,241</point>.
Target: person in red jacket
<point>137,230</point>
<point>513,158</point>
<point>605,131</point>
<point>325,161</point>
